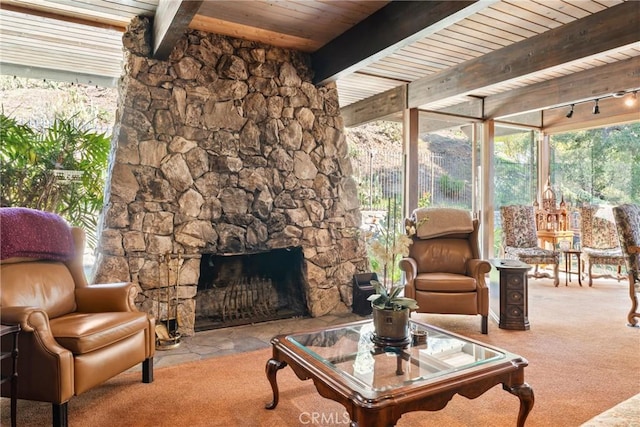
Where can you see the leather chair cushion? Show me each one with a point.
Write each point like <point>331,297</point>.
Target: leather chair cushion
<point>85,332</point>
<point>444,282</point>
<point>441,255</point>
<point>45,284</point>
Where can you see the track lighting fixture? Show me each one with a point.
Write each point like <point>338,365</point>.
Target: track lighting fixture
<point>628,97</point>
<point>570,113</point>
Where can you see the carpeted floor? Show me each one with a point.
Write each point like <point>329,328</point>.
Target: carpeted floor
<point>624,414</point>
<point>583,360</point>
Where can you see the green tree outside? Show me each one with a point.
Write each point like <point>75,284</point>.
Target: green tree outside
<point>598,165</point>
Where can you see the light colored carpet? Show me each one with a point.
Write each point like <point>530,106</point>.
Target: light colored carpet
<point>625,414</point>
<point>583,360</point>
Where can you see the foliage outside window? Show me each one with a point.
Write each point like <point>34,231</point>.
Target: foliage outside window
<point>387,242</point>
<point>33,161</point>
<point>598,166</point>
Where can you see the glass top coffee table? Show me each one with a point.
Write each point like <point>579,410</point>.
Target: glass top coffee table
<point>377,384</point>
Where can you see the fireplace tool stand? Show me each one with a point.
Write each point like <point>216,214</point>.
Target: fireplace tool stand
<point>167,335</point>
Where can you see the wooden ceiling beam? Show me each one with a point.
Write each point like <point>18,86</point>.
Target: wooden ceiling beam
<point>375,107</point>
<point>394,26</point>
<point>523,105</point>
<point>232,29</point>
<point>610,29</point>
<point>171,21</point>
<point>583,85</point>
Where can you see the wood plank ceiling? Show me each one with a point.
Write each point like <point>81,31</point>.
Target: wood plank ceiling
<point>515,56</point>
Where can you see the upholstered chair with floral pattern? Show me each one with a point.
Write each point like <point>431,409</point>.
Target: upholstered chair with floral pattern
<point>627,218</point>
<point>520,241</point>
<point>599,241</point>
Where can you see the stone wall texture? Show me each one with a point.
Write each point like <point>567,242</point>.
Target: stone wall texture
<point>226,148</point>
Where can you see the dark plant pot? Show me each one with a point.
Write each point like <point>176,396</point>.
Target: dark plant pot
<point>391,326</point>
<point>362,289</point>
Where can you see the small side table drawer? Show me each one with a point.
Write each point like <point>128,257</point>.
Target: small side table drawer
<point>515,297</point>
<point>514,280</point>
<point>514,311</point>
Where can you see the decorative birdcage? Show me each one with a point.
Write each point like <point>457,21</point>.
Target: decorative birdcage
<point>551,217</point>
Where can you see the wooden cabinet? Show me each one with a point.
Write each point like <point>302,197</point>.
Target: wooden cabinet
<point>509,306</point>
<point>11,374</point>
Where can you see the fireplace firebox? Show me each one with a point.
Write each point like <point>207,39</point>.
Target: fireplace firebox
<point>239,289</point>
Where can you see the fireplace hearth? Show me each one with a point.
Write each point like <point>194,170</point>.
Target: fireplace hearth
<point>248,288</point>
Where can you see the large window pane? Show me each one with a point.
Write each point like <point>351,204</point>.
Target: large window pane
<point>598,165</point>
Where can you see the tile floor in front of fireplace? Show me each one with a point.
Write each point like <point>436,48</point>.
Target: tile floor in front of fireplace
<point>238,339</point>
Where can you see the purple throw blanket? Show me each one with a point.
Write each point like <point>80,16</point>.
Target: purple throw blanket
<point>34,234</point>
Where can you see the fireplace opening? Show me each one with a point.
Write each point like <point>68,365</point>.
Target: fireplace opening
<point>240,289</point>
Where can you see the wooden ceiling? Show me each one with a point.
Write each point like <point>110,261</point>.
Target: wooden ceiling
<point>521,61</point>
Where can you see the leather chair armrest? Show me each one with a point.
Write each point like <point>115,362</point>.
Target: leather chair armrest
<point>477,268</point>
<point>33,320</point>
<point>15,315</point>
<point>29,318</point>
<point>410,268</point>
<point>107,297</point>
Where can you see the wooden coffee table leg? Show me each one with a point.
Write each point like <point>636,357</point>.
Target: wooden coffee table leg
<point>525,394</point>
<point>272,368</point>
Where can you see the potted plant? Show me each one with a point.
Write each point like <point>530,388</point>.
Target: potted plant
<point>391,314</point>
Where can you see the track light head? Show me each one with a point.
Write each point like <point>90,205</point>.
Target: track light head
<point>570,113</point>
<point>632,99</point>
<point>596,108</point>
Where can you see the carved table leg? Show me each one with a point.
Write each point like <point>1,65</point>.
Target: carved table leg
<point>272,368</point>
<point>525,394</point>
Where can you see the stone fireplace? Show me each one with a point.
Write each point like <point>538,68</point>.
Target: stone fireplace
<point>226,149</point>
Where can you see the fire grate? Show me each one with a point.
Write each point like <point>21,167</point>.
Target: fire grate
<point>249,288</point>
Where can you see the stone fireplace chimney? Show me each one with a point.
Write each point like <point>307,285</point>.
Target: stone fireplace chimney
<point>226,148</point>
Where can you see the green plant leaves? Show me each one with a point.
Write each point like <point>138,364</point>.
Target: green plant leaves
<point>29,158</point>
<point>389,299</point>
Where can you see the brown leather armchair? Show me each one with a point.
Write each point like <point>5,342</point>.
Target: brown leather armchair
<point>73,336</point>
<point>444,272</point>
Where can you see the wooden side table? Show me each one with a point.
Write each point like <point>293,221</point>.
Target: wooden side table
<point>568,253</point>
<point>514,310</point>
<point>13,375</point>
<point>549,239</point>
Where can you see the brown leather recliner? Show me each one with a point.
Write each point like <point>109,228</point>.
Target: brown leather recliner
<point>443,270</point>
<point>74,336</point>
